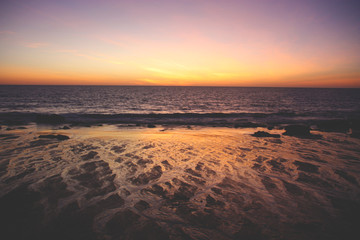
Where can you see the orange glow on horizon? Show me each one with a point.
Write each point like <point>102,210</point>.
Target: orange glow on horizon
<point>33,77</point>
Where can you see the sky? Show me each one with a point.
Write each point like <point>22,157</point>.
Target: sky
<point>275,43</point>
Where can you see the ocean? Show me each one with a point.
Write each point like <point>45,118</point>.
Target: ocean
<point>204,105</point>
<point>145,100</point>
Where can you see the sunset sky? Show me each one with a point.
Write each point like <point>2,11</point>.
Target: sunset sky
<point>307,43</point>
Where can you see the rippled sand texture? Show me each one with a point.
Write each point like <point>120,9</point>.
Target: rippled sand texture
<point>205,183</point>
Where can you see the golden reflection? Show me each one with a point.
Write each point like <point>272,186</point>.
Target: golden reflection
<point>191,175</point>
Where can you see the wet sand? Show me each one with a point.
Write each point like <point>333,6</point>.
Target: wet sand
<point>111,182</point>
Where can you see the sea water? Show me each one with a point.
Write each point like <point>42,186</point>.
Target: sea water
<point>111,100</point>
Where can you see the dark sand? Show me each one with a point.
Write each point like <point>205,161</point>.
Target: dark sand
<point>177,183</point>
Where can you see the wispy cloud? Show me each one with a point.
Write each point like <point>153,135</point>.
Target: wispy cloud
<point>35,44</point>
<point>226,75</point>
<point>6,35</point>
<point>171,74</point>
<point>148,81</point>
<point>6,32</point>
<point>90,56</point>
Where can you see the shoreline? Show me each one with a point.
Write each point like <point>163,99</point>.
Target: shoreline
<point>344,124</point>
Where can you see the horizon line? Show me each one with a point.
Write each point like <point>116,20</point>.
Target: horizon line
<point>215,86</point>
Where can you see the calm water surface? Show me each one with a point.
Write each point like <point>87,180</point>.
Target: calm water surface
<point>145,100</point>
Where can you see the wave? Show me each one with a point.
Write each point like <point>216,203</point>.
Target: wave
<point>206,119</point>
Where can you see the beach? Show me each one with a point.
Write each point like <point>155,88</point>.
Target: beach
<point>122,181</point>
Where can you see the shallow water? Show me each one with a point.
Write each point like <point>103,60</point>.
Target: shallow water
<point>113,182</point>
